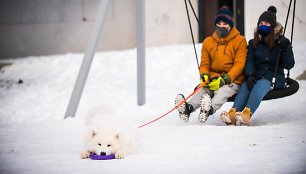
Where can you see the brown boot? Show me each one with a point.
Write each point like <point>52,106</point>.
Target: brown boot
<point>229,117</point>
<point>244,117</point>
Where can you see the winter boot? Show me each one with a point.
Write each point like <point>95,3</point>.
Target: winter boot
<point>185,109</point>
<point>244,117</point>
<point>205,108</point>
<point>229,117</point>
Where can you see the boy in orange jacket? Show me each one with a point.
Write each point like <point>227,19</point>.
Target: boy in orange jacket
<point>222,62</point>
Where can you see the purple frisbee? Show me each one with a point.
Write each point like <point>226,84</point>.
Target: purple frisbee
<point>101,157</point>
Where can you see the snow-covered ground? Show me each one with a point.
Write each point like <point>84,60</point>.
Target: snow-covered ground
<point>34,137</point>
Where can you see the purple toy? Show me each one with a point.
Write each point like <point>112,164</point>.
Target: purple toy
<point>94,156</point>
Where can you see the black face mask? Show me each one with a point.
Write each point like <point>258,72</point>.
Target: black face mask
<point>222,32</point>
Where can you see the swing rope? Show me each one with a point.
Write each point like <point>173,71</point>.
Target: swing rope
<point>194,13</point>
<point>287,17</point>
<point>291,38</point>
<point>293,17</point>
<point>190,27</point>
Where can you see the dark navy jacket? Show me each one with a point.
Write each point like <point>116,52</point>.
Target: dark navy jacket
<point>261,62</point>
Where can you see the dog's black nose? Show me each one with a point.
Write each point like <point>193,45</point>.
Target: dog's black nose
<point>103,153</point>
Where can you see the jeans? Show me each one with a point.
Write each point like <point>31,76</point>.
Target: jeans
<point>251,98</point>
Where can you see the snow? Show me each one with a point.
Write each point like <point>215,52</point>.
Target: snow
<point>34,137</point>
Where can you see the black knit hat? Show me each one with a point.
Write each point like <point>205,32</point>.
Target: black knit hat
<point>224,15</point>
<point>269,16</point>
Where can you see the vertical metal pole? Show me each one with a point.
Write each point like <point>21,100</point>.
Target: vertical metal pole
<point>87,59</point>
<point>140,32</point>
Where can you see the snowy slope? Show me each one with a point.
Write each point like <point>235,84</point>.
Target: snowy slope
<point>34,138</point>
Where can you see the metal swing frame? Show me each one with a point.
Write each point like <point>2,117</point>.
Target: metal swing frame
<point>90,52</point>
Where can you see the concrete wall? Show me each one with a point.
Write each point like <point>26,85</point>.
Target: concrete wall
<point>253,9</point>
<point>44,27</point>
<point>167,22</point>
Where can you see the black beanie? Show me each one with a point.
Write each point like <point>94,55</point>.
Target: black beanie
<point>224,15</point>
<point>269,16</point>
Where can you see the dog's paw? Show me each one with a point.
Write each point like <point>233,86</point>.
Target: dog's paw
<point>85,154</point>
<point>120,155</point>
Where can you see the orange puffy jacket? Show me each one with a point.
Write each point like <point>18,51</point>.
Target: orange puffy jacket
<point>225,55</point>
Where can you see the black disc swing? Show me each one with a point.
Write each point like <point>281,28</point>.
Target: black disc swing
<point>291,85</point>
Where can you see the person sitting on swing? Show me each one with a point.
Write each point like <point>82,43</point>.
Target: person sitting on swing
<point>222,62</point>
<point>269,53</point>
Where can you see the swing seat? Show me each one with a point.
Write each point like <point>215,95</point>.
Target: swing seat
<point>291,88</point>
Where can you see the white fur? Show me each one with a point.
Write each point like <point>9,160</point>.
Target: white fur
<point>109,134</point>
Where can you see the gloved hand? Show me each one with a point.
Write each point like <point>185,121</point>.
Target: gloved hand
<point>251,81</point>
<point>283,43</point>
<point>227,79</point>
<point>215,84</point>
<point>204,78</point>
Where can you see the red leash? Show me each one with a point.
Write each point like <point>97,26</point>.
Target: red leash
<point>195,91</point>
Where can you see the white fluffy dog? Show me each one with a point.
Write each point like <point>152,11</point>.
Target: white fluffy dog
<point>108,134</point>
